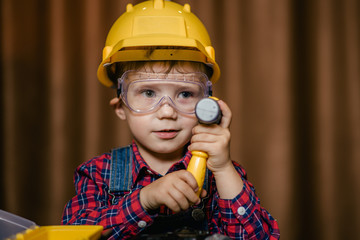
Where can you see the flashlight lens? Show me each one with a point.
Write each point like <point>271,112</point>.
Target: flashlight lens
<point>208,111</point>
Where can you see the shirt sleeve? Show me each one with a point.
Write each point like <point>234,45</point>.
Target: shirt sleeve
<point>92,204</point>
<point>243,217</point>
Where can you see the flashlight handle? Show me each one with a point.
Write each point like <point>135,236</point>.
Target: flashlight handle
<point>197,165</point>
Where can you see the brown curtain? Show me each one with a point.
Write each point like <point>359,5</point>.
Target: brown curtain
<point>290,72</point>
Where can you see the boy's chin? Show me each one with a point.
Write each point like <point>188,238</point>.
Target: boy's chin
<point>167,148</point>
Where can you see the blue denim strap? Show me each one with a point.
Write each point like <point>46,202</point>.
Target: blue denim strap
<point>121,169</point>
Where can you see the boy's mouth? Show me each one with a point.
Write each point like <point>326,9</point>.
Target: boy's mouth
<point>167,133</point>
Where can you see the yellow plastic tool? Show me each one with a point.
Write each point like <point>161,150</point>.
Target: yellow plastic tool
<point>197,164</point>
<point>69,232</point>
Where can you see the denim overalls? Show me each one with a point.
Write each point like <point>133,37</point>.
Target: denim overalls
<point>120,185</point>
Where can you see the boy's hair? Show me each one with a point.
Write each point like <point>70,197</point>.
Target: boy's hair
<point>122,67</point>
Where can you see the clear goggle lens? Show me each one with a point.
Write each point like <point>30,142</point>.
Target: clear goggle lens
<point>144,92</point>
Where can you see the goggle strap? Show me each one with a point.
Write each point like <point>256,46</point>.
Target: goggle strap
<point>209,85</point>
<point>119,86</point>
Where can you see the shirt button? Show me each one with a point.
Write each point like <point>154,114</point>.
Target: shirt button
<point>241,211</point>
<point>142,224</point>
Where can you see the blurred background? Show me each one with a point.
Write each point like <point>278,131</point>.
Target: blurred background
<point>290,73</point>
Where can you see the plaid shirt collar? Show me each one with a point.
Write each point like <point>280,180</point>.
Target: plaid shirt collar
<point>141,166</point>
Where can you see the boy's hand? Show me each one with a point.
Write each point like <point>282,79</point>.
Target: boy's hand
<point>214,140</point>
<point>175,190</point>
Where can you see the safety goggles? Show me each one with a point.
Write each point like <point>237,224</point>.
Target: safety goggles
<point>144,92</point>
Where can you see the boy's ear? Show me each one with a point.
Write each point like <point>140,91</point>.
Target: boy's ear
<point>118,106</point>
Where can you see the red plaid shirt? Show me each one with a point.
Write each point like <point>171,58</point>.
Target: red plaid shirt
<point>238,218</point>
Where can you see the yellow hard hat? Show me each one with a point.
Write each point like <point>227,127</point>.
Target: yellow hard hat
<point>158,24</point>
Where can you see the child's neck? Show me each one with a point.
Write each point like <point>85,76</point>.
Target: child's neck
<point>160,162</point>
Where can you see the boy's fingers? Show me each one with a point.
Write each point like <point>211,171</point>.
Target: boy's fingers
<point>204,137</point>
<point>176,190</point>
<point>180,199</point>
<point>188,178</point>
<point>203,193</point>
<point>172,204</point>
<point>182,191</point>
<point>226,114</point>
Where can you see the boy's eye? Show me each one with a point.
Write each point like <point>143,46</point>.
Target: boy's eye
<point>148,93</point>
<point>186,94</point>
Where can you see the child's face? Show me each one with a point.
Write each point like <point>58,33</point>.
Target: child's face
<point>164,130</point>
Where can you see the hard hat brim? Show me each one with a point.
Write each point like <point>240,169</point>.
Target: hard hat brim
<point>125,55</point>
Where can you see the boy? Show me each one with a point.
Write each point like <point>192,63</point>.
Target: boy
<point>159,57</point>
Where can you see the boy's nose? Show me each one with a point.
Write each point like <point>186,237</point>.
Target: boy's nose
<point>166,109</point>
